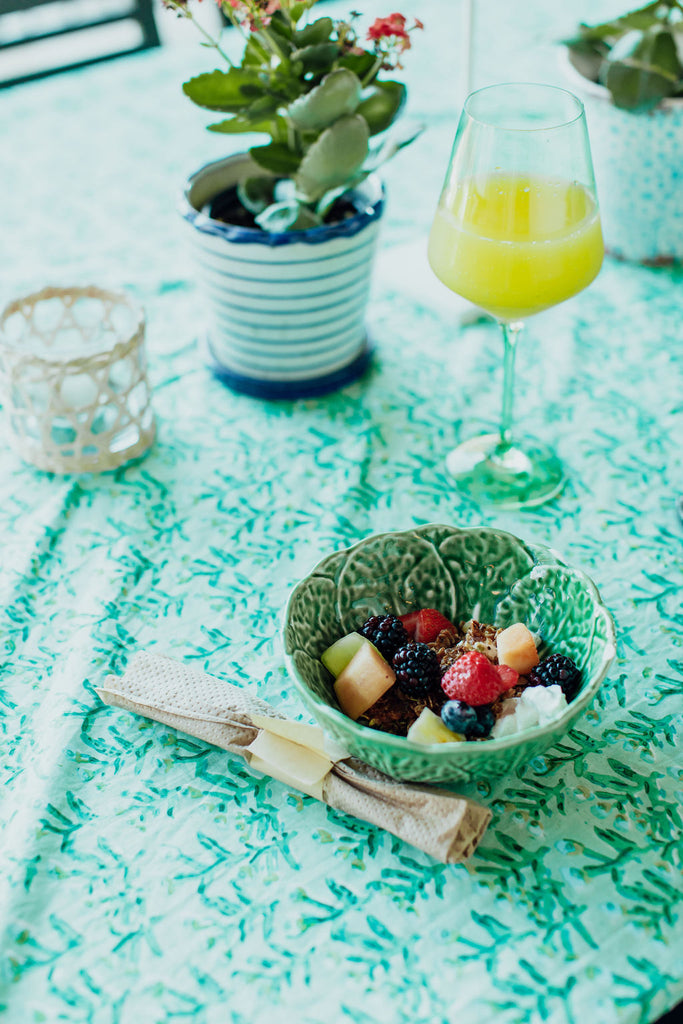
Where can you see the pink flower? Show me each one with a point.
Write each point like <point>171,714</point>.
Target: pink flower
<point>385,28</point>
<point>256,13</point>
<point>393,31</point>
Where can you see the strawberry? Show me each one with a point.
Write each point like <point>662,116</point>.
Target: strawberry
<point>429,625</point>
<point>409,621</point>
<point>475,680</point>
<point>508,676</point>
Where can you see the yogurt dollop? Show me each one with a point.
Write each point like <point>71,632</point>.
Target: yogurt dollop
<point>536,706</point>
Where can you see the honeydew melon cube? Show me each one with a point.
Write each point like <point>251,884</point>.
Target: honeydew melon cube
<point>516,648</point>
<point>336,658</point>
<point>364,680</point>
<point>428,728</point>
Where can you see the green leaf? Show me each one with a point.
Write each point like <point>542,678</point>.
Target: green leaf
<point>390,147</point>
<point>252,89</point>
<point>587,56</point>
<point>636,88</point>
<point>644,72</point>
<point>334,157</point>
<point>255,194</point>
<point>317,32</point>
<point>224,90</point>
<point>663,53</point>
<point>382,105</point>
<point>359,63</point>
<point>239,124</point>
<point>324,205</point>
<point>276,157</point>
<point>264,106</point>
<point>297,10</point>
<point>287,216</point>
<point>642,18</point>
<point>316,58</point>
<point>255,53</point>
<point>281,25</point>
<point>337,95</point>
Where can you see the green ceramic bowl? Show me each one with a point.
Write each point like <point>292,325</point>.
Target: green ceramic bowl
<point>482,573</point>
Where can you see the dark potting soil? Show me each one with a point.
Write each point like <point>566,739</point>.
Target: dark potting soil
<point>226,207</point>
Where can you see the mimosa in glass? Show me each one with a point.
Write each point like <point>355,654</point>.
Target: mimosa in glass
<point>517,230</point>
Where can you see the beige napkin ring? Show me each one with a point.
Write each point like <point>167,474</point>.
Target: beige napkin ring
<point>73,379</point>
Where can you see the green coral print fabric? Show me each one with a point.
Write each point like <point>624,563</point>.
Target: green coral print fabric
<point>148,877</point>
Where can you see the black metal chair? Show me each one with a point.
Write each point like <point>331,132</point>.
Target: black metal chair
<point>93,28</point>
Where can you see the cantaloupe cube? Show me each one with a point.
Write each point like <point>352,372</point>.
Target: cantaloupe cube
<point>366,677</point>
<point>516,648</point>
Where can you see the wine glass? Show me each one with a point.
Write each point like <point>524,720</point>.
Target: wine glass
<point>517,230</point>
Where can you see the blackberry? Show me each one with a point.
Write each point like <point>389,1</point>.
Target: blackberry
<point>557,670</point>
<point>461,717</point>
<point>417,670</point>
<point>386,632</point>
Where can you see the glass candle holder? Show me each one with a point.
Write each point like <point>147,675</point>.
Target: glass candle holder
<point>74,383</point>
<point>73,372</point>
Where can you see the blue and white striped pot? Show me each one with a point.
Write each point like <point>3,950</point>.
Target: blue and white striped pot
<point>638,161</point>
<point>285,311</point>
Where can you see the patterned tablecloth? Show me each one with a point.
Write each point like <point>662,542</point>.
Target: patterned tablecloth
<point>148,877</point>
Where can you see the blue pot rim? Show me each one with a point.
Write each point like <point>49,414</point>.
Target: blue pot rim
<point>253,236</point>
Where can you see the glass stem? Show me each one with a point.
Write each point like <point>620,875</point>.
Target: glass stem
<point>510,335</point>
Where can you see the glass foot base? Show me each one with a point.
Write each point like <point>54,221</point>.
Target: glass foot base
<point>507,475</point>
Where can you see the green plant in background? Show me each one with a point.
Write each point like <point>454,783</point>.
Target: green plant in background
<point>638,56</point>
<point>316,91</point>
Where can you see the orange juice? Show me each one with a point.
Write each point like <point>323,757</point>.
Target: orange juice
<point>516,244</point>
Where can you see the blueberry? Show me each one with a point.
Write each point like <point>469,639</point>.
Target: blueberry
<point>458,716</point>
<point>485,720</point>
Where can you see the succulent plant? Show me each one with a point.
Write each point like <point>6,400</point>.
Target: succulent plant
<point>638,56</point>
<point>315,90</point>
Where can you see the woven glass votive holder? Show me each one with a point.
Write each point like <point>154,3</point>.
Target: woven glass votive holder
<point>73,374</point>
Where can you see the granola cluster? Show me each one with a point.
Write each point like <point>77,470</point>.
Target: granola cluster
<point>470,636</point>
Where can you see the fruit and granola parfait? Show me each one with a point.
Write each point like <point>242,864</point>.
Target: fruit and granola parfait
<point>435,681</point>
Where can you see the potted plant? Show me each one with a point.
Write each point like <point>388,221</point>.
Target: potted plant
<point>629,73</point>
<point>285,233</point>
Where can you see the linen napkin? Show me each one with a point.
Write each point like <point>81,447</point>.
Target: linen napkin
<point>444,825</point>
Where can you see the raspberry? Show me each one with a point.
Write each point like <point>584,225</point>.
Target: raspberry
<point>473,679</point>
<point>557,670</point>
<point>417,670</point>
<point>386,632</point>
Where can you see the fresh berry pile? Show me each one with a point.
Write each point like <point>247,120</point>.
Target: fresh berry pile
<point>439,681</point>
